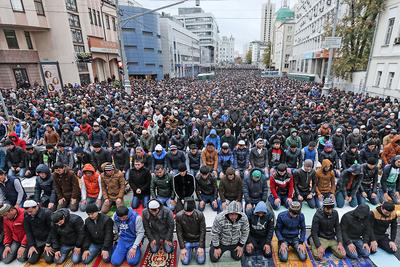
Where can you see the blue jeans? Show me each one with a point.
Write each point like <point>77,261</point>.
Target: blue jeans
<point>209,199</point>
<point>340,199</point>
<point>188,257</point>
<point>391,192</point>
<point>167,248</point>
<point>310,202</point>
<point>120,253</point>
<point>194,172</point>
<point>361,252</point>
<point>166,201</point>
<point>136,201</point>
<point>294,243</point>
<point>283,199</point>
<point>20,174</point>
<point>362,200</point>
<point>94,250</point>
<point>65,250</point>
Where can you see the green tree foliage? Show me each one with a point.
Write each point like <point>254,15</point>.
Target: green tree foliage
<point>267,56</point>
<point>357,30</point>
<point>248,56</point>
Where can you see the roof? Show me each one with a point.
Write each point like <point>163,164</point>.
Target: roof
<point>284,14</point>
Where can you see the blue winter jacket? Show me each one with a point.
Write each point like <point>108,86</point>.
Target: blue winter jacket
<point>288,227</point>
<point>127,229</point>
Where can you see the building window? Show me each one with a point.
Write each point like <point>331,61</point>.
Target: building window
<point>17,5</point>
<point>114,24</point>
<point>147,49</point>
<point>11,39</point>
<point>150,65</point>
<point>389,31</point>
<point>74,21</point>
<point>98,18</point>
<point>94,17</point>
<point>108,22</point>
<point>77,36</point>
<point>146,33</point>
<point>21,76</point>
<point>82,67</point>
<point>39,7</point>
<point>390,80</point>
<point>71,5</point>
<point>84,78</point>
<point>79,48</point>
<point>378,78</point>
<point>28,40</point>
<point>90,16</point>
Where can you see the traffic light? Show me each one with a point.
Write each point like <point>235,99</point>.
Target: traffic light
<point>120,68</point>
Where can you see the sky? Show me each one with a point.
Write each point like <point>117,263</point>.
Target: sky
<point>239,18</point>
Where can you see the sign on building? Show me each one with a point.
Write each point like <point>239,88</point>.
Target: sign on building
<point>333,42</point>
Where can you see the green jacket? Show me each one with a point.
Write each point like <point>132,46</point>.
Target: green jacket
<point>162,186</point>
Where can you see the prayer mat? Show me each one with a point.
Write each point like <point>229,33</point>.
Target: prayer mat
<point>257,261</point>
<point>159,259</point>
<point>293,260</point>
<point>328,260</point>
<point>360,262</point>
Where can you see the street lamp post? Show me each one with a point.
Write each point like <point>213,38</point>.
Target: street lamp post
<point>127,83</point>
<point>328,81</point>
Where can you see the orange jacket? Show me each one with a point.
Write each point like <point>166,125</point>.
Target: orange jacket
<point>391,150</point>
<point>210,159</point>
<point>91,185</point>
<point>325,180</point>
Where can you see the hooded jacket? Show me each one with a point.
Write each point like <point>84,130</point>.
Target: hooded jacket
<point>91,185</point>
<point>391,176</point>
<point>380,224</point>
<point>261,228</point>
<point>18,142</point>
<point>391,150</point>
<point>324,226</point>
<point>44,188</point>
<point>225,160</point>
<point>71,233</point>
<point>215,139</point>
<point>357,217</point>
<point>325,180</point>
<point>331,156</point>
<point>159,227</point>
<point>293,140</point>
<point>191,228</point>
<point>255,190</point>
<point>38,227</point>
<point>228,233</point>
<point>113,186</point>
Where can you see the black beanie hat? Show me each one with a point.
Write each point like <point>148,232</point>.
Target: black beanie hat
<point>189,204</point>
<point>372,161</point>
<point>389,206</point>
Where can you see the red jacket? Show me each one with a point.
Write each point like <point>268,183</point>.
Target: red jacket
<point>86,129</point>
<point>282,184</point>
<point>19,142</point>
<point>14,229</point>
